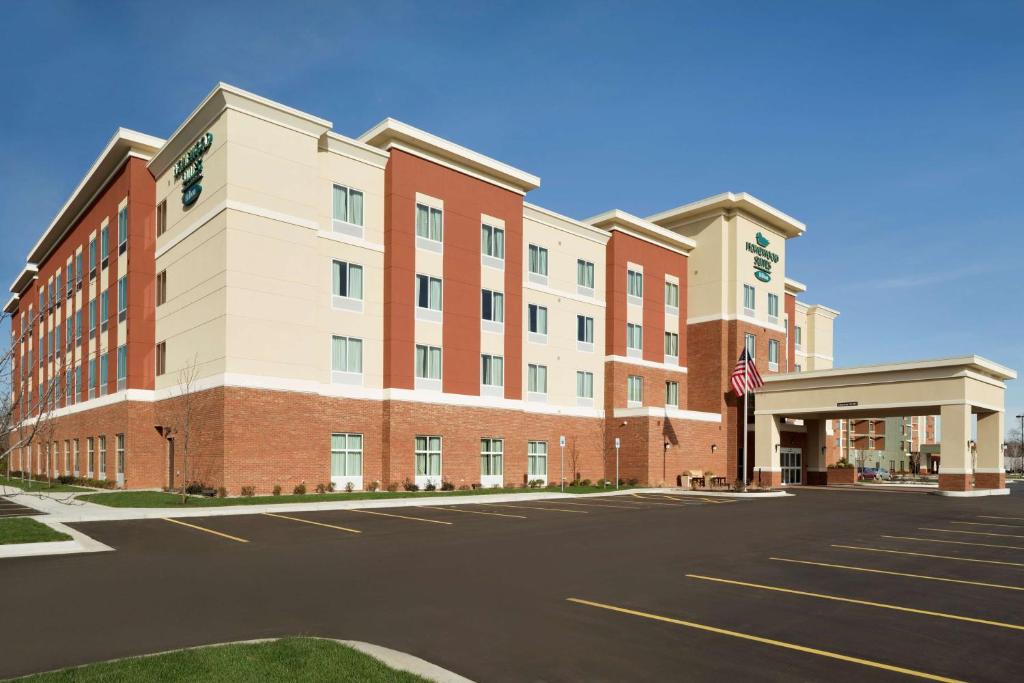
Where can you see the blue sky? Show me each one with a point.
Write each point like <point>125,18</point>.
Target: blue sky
<point>895,131</point>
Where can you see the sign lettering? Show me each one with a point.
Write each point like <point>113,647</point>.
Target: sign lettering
<point>189,169</point>
<point>763,258</point>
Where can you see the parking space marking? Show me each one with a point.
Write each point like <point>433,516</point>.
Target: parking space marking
<point>892,573</point>
<point>596,504</point>
<point>309,521</point>
<point>202,528</point>
<point>388,514</point>
<point>531,507</point>
<point>1012,526</point>
<point>474,512</point>
<point>945,540</point>
<point>766,641</point>
<point>938,557</point>
<point>972,533</point>
<point>996,517</point>
<point>651,500</point>
<point>855,601</point>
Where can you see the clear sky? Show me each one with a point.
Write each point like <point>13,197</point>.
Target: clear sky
<point>894,130</point>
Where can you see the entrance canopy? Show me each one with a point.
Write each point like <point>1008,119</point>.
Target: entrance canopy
<point>954,388</point>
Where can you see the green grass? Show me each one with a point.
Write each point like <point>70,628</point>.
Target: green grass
<point>34,485</point>
<point>27,530</point>
<point>288,659</point>
<point>160,499</point>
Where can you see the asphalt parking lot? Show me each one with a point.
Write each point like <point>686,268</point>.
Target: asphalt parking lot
<point>843,584</point>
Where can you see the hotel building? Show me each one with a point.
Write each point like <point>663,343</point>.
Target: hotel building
<point>302,306</point>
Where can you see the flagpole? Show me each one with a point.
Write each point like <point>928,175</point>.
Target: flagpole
<point>746,391</point>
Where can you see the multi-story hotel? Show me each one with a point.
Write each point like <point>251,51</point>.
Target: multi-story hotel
<point>893,443</point>
<point>301,306</point>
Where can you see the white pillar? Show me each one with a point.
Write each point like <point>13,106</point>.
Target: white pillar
<point>766,450</point>
<point>955,467</point>
<point>990,472</point>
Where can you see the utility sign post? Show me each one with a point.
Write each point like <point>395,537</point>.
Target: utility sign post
<point>561,447</point>
<point>618,443</point>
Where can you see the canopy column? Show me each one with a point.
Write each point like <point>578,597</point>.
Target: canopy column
<point>767,440</point>
<point>814,456</point>
<point>955,468</point>
<point>990,472</point>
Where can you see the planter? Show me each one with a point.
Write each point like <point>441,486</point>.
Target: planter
<point>842,475</point>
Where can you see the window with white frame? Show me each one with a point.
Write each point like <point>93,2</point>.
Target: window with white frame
<point>584,384</point>
<point>347,280</point>
<point>635,389</point>
<point>120,454</point>
<point>672,344</point>
<point>492,370</point>
<point>492,306</point>
<point>492,241</point>
<point>346,455</point>
<point>671,294</point>
<point>491,452</point>
<point>634,283</point>
<point>537,319</point>
<point>537,459</point>
<point>104,246</point>
<point>584,274</point>
<point>428,362</point>
<point>585,329</point>
<point>161,218</point>
<point>78,325</point>
<point>773,306</point>
<point>428,292</point>
<point>538,260</point>
<point>79,270</point>
<point>750,344</point>
<point>92,258</point>
<point>78,383</point>
<point>347,205</point>
<point>90,455</point>
<point>773,354</point>
<point>122,230</point>
<point>122,297</point>
<point>634,337</point>
<point>92,317</point>
<point>428,456</point>
<point>672,394</point>
<point>346,355</point>
<point>749,298</point>
<point>537,379</point>
<point>429,223</point>
<point>104,309</point>
<point>92,377</point>
<point>103,373</point>
<point>103,456</point>
<point>798,337</point>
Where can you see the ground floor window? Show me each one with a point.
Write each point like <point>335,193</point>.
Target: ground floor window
<point>103,457</point>
<point>491,451</point>
<point>120,456</point>
<point>428,456</point>
<point>90,463</point>
<point>346,455</point>
<point>537,459</point>
<point>78,463</point>
<point>635,389</point>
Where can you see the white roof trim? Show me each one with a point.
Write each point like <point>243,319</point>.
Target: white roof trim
<point>27,274</point>
<point>815,309</point>
<point>795,286</point>
<point>977,363</point>
<point>738,200</point>
<point>628,223</point>
<point>598,232</point>
<point>12,304</point>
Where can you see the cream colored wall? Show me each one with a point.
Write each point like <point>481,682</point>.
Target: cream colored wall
<point>817,325</point>
<point>565,243</point>
<point>709,267</point>
<point>742,266</point>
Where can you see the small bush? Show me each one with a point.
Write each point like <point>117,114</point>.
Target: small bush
<point>277,490</point>
<point>300,489</point>
<point>410,485</point>
<point>193,488</point>
<point>321,488</point>
<point>348,487</point>
<point>535,483</point>
<point>222,492</point>
<point>248,491</point>
<point>431,486</point>
<point>447,486</point>
<point>633,482</point>
<point>584,482</point>
<point>392,487</point>
<point>467,487</point>
<point>374,485</point>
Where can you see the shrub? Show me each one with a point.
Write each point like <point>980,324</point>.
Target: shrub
<point>321,488</point>
<point>466,487</point>
<point>277,489</point>
<point>300,489</point>
<point>431,486</point>
<point>248,491</point>
<point>535,483</point>
<point>447,486</point>
<point>602,482</point>
<point>584,482</point>
<point>348,487</point>
<point>409,485</point>
<point>633,482</point>
<point>841,464</point>
<point>222,492</point>
<point>193,488</point>
<point>374,485</point>
<point>392,486</point>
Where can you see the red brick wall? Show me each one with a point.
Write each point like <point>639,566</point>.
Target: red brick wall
<point>617,372</point>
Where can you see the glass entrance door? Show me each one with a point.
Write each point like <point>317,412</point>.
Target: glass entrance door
<point>792,465</point>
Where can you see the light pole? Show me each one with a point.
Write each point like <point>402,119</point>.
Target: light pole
<point>1020,450</point>
<point>617,444</point>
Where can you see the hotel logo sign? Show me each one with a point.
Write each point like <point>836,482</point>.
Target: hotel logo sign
<point>189,168</point>
<point>763,258</point>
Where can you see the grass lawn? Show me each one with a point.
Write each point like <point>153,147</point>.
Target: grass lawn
<point>288,659</point>
<point>27,530</point>
<point>33,485</point>
<point>160,499</point>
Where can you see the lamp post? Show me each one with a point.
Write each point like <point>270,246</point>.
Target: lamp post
<point>1020,450</point>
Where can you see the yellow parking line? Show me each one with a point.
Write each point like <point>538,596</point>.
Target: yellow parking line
<point>972,533</point>
<point>309,521</point>
<point>474,512</point>
<point>596,504</point>
<point>942,540</point>
<point>766,641</point>
<point>854,601</point>
<point>1012,526</point>
<point>996,517</point>
<point>655,501</point>
<point>891,573</point>
<point>202,528</point>
<point>388,514</point>
<point>531,507</point>
<point>938,557</point>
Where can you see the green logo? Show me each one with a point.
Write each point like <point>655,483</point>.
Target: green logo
<point>189,168</point>
<point>762,241</point>
<point>763,259</point>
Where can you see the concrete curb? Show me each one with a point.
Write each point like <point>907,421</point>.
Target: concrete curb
<point>79,543</point>
<point>975,493</point>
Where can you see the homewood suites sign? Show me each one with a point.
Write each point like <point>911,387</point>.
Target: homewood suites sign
<point>763,259</point>
<point>190,169</point>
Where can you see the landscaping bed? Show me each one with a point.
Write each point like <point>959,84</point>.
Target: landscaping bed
<point>27,530</point>
<point>37,485</point>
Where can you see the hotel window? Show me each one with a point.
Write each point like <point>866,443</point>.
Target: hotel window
<point>428,292</point>
<point>491,451</point>
<point>78,325</point>
<point>773,354</point>
<point>537,379</point>
<point>635,390</point>
<point>92,378</point>
<point>57,289</point>
<point>90,456</point>
<point>161,358</point>
<point>584,274</point>
<point>104,246</point>
<point>538,260</point>
<point>347,280</point>
<point>537,319</point>
<point>346,355</point>
<point>346,455</point>
<point>672,344</point>
<point>103,456</point>
<point>634,338</point>
<point>348,206</point>
<point>585,329</point>
<point>773,306</point>
<point>103,374</point>
<point>798,367</point>
<point>584,384</point>
<point>672,394</point>
<point>672,295</point>
<point>122,297</point>
<point>92,258</point>
<point>78,383</point>
<point>70,331</point>
<point>798,337</point>
<point>492,241</point>
<point>492,306</point>
<point>122,230</point>
<point>68,387</point>
<point>537,459</point>
<point>750,344</point>
<point>69,277</point>
<point>122,367</point>
<point>749,299</point>
<point>428,456</point>
<point>92,317</point>
<point>429,223</point>
<point>104,309</point>
<point>492,370</point>
<point>77,456</point>
<point>78,270</point>
<point>428,362</point>
<point>161,218</point>
<point>634,283</point>
<point>120,455</point>
<point>161,288</point>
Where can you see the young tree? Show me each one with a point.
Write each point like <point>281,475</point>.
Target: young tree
<point>183,422</point>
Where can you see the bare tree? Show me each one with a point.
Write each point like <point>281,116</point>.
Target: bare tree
<point>183,420</point>
<point>574,461</point>
<point>1014,454</point>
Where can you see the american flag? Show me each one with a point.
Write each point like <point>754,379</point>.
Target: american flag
<point>751,375</point>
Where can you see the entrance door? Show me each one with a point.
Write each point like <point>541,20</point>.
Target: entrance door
<point>792,465</point>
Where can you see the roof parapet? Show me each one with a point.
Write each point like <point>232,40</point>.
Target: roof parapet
<point>740,201</point>
<point>616,219</point>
